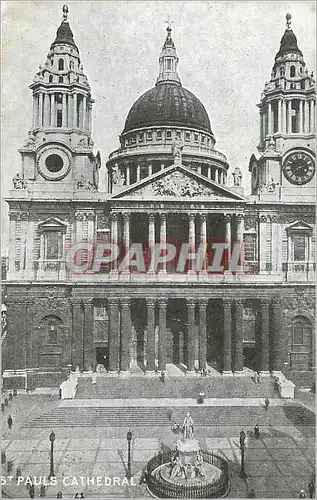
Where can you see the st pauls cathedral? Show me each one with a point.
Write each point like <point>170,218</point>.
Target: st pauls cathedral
<point>166,182</point>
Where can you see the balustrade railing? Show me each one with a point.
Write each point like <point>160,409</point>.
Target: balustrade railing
<point>163,489</point>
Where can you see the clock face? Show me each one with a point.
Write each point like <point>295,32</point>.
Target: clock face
<point>299,168</point>
<point>54,162</point>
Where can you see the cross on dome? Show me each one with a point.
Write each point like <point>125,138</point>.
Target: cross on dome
<point>288,20</point>
<point>65,13</point>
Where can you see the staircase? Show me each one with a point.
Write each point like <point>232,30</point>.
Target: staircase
<point>107,387</point>
<point>131,417</point>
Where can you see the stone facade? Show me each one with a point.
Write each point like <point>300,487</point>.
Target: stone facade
<point>166,183</point>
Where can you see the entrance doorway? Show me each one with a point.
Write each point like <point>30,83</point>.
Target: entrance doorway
<point>250,356</point>
<point>102,356</point>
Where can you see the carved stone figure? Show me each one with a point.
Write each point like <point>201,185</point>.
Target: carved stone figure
<point>237,177</point>
<point>30,140</point>
<point>177,148</point>
<point>117,177</point>
<point>188,426</point>
<point>19,182</point>
<point>199,468</point>
<point>271,186</point>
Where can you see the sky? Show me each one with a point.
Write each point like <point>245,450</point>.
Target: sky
<point>226,52</point>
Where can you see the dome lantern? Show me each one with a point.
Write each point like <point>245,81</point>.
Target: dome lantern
<point>168,61</point>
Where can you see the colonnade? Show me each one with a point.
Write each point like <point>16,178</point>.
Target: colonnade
<point>76,110</point>
<point>133,173</point>
<point>270,347</point>
<point>194,219</point>
<point>306,116</point>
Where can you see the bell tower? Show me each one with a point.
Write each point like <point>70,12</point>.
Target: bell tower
<point>286,167</point>
<point>57,155</point>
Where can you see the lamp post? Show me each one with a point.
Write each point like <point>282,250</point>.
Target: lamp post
<point>52,439</point>
<point>243,474</point>
<point>129,439</point>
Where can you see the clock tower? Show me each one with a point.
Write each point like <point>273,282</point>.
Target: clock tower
<point>285,170</point>
<point>57,156</point>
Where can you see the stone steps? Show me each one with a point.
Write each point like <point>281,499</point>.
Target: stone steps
<point>159,416</point>
<point>114,387</point>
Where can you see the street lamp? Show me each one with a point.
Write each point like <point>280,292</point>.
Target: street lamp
<point>52,439</point>
<point>129,439</point>
<point>243,474</point>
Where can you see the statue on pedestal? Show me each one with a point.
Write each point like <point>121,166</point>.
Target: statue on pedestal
<point>237,177</point>
<point>177,148</point>
<point>19,182</point>
<point>188,426</point>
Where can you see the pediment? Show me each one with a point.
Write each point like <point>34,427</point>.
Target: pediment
<point>177,182</point>
<point>299,225</point>
<point>51,224</point>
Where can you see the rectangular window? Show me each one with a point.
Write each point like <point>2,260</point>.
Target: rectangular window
<point>168,134</point>
<point>299,247</point>
<point>179,134</point>
<point>53,246</point>
<point>196,137</point>
<point>250,253</point>
<point>52,334</point>
<point>149,136</point>
<point>169,64</point>
<point>187,136</point>
<point>59,118</point>
<point>159,135</point>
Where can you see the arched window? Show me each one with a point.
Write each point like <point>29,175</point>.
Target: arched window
<point>60,79</point>
<point>292,71</point>
<point>60,64</point>
<point>301,350</point>
<point>71,64</point>
<point>50,78</point>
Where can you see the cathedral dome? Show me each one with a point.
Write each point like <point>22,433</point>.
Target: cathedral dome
<point>168,104</point>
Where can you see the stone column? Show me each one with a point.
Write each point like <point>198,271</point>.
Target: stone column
<point>238,339</point>
<point>263,246</point>
<point>77,334</point>
<point>113,334</point>
<point>265,339</point>
<point>192,243</point>
<point>64,113</point>
<point>289,117</point>
<point>279,115</point>
<point>226,337</point>
<point>163,239</point>
<point>125,334</point>
<point>114,237</point>
<point>228,237</point>
<point>128,175</point>
<point>261,126</point>
<point>150,171</point>
<point>34,112</point>
<point>162,166</point>
<point>199,169</point>
<point>151,237</point>
<point>126,236</point>
<point>311,115</point>
<point>269,117</point>
<point>46,109</point>
<point>40,109</point>
<point>84,126</point>
<point>240,233</point>
<point>162,305</point>
<point>75,110</point>
<point>300,116</point>
<point>89,117</point>
<point>53,110</point>
<point>203,240</point>
<point>150,302</point>
<point>202,313</point>
<point>191,332</point>
<point>138,173</point>
<point>306,117</point>
<point>89,351</point>
<point>69,111</point>
<point>283,111</point>
<point>279,345</point>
